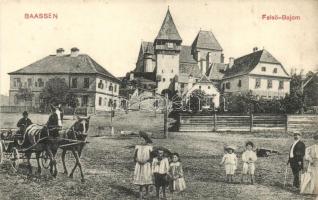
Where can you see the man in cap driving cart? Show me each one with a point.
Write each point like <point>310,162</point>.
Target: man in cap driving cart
<point>23,123</point>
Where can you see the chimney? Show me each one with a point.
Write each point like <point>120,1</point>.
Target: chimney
<point>255,49</point>
<point>231,62</point>
<point>131,76</point>
<point>222,58</point>
<point>59,52</point>
<point>74,52</point>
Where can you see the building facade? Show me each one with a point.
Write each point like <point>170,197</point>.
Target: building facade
<point>92,84</point>
<point>179,67</point>
<point>264,77</point>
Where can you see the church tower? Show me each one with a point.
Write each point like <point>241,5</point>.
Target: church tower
<point>167,47</point>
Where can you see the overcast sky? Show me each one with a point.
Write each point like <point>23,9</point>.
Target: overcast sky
<point>111,31</point>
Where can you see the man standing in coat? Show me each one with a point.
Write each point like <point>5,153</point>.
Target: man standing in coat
<point>296,157</point>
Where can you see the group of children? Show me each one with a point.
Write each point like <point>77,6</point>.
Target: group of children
<point>157,169</point>
<point>164,172</point>
<point>230,162</point>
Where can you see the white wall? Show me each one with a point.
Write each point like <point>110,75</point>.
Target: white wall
<point>167,68</point>
<point>263,90</point>
<point>234,84</point>
<point>209,89</point>
<point>269,70</point>
<point>106,83</point>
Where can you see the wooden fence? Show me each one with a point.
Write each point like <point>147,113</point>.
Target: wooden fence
<point>250,123</point>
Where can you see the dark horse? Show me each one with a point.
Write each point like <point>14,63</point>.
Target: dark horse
<point>75,140</point>
<point>43,139</point>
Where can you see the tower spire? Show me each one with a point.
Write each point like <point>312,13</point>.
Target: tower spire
<point>168,30</point>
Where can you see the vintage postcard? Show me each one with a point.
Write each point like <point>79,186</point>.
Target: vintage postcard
<point>158,99</point>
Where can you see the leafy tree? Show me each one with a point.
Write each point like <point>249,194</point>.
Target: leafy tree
<point>71,100</point>
<point>311,90</point>
<point>25,94</point>
<point>295,101</point>
<point>196,100</point>
<point>56,92</point>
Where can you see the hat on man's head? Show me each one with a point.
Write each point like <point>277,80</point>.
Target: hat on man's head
<point>25,113</point>
<point>145,136</point>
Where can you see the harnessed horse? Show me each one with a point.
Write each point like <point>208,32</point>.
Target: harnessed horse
<point>38,139</point>
<point>76,133</point>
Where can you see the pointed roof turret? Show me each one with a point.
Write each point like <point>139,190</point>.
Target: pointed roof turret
<point>206,40</point>
<point>168,30</point>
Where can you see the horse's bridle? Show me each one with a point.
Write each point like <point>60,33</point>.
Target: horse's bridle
<point>77,133</point>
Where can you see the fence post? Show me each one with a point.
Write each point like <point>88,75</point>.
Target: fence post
<point>165,126</point>
<point>179,121</point>
<point>214,122</point>
<point>251,122</point>
<point>286,128</point>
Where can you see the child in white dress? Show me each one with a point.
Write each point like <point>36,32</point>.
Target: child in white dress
<point>177,182</point>
<point>143,173</point>
<point>230,162</point>
<point>249,157</point>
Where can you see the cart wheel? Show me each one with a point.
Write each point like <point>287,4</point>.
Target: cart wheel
<point>45,160</point>
<point>15,158</point>
<point>1,151</point>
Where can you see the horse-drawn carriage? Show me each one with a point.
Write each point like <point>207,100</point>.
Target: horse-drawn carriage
<point>44,141</point>
<point>12,149</point>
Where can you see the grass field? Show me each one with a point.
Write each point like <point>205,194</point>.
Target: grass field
<point>108,164</point>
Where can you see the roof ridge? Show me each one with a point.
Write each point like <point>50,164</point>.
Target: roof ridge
<point>92,65</point>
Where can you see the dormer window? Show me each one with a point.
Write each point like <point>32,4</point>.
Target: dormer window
<point>275,71</point>
<point>239,84</point>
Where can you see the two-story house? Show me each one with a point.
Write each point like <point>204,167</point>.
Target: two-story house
<point>93,85</point>
<point>258,72</point>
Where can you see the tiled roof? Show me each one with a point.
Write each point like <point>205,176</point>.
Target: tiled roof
<point>216,71</point>
<point>204,79</point>
<point>247,63</point>
<point>206,40</point>
<point>186,55</point>
<point>187,69</point>
<point>81,64</point>
<point>168,30</point>
<point>147,47</point>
